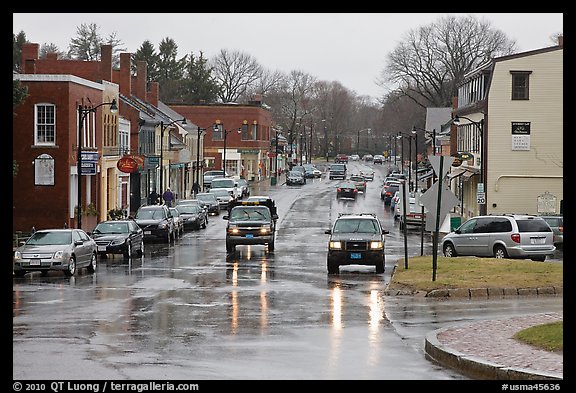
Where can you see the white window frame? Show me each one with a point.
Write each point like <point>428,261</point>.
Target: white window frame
<point>37,124</point>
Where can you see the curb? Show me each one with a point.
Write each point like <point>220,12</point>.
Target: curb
<point>475,367</point>
<point>485,293</point>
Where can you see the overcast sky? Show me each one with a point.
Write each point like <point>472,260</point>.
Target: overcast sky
<point>350,48</point>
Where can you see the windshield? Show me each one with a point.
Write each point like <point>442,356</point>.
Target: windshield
<point>188,209</point>
<point>219,192</point>
<point>225,183</point>
<point>206,197</point>
<point>50,238</point>
<point>111,227</point>
<point>252,214</point>
<point>351,225</point>
<point>150,214</point>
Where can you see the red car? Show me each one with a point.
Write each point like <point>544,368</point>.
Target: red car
<point>341,158</point>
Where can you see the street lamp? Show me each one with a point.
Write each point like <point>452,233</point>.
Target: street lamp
<point>325,139</point>
<point>480,126</point>
<point>415,158</point>
<point>163,127</point>
<point>433,132</point>
<point>409,136</point>
<point>273,180</point>
<point>200,130</point>
<point>83,111</point>
<point>226,132</point>
<point>358,139</point>
<point>301,144</point>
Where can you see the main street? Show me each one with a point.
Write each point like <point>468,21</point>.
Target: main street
<point>189,311</point>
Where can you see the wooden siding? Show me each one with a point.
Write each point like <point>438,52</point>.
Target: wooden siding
<point>516,178</point>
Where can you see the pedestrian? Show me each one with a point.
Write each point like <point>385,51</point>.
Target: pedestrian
<point>168,197</point>
<point>195,188</point>
<point>153,198</point>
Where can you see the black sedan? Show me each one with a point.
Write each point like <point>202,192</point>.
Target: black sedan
<point>295,178</point>
<point>194,216</point>
<point>119,237</point>
<point>347,189</point>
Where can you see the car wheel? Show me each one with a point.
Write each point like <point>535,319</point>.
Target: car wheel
<point>449,250</point>
<point>19,273</point>
<point>128,251</point>
<point>140,252</point>
<point>92,266</point>
<point>230,247</point>
<point>333,267</point>
<point>500,252</point>
<point>380,267</point>
<point>71,267</point>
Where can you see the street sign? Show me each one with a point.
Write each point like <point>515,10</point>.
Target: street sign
<point>88,168</point>
<point>90,156</point>
<point>430,201</point>
<point>481,198</point>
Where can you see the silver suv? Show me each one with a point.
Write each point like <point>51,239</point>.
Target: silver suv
<point>502,236</point>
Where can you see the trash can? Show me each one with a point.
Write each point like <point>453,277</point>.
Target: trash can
<point>273,181</point>
<point>455,222</point>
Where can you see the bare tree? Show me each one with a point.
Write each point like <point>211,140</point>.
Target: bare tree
<point>235,72</point>
<point>432,60</point>
<point>268,82</point>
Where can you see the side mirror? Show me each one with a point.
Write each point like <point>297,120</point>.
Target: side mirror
<point>78,242</point>
<point>274,216</point>
<point>385,232</point>
<point>328,231</point>
<point>226,217</point>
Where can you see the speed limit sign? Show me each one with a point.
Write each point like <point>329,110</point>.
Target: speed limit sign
<point>481,198</point>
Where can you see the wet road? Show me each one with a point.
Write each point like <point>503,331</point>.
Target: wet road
<point>189,311</point>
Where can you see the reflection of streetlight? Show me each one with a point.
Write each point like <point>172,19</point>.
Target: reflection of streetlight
<point>83,111</point>
<point>358,139</point>
<point>480,126</point>
<point>163,127</point>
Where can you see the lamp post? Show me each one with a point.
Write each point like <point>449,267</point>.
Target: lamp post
<point>433,133</point>
<point>200,130</point>
<point>409,136</point>
<point>163,127</point>
<point>325,139</point>
<point>226,132</point>
<point>480,126</point>
<point>83,111</point>
<point>358,139</point>
<point>273,179</point>
<point>301,146</point>
<point>415,158</point>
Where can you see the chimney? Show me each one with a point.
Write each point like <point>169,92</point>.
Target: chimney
<point>29,55</point>
<point>125,80</point>
<point>106,62</point>
<point>153,94</point>
<point>561,40</point>
<point>141,78</point>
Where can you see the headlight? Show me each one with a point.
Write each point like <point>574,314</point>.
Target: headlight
<point>376,245</point>
<point>265,229</point>
<point>58,255</point>
<point>233,229</point>
<point>17,255</point>
<point>335,245</point>
<point>162,225</point>
<point>116,242</point>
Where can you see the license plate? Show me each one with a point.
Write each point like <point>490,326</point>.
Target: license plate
<point>355,255</point>
<point>417,217</point>
<point>249,236</point>
<point>101,248</point>
<point>537,240</point>
<point>147,232</point>
<point>34,262</point>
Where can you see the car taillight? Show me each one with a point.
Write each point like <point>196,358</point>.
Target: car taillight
<point>338,189</point>
<point>355,190</point>
<point>561,229</point>
<point>515,237</point>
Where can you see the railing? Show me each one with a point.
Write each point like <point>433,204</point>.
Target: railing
<point>19,237</point>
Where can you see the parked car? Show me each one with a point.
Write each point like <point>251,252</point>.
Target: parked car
<point>193,216</point>
<point>354,157</point>
<point>178,221</point>
<point>251,223</point>
<point>210,175</point>
<point>210,202</point>
<point>501,236</point>
<point>244,187</point>
<point>301,169</point>
<point>378,159</point>
<point>414,214</point>
<point>387,192</point>
<point>157,222</point>
<point>295,178</point>
<point>312,171</point>
<point>65,250</point>
<point>346,189</point>
<point>556,223</point>
<point>118,237</point>
<point>360,182</point>
<point>394,202</point>
<point>341,158</point>
<point>368,157</point>
<point>224,197</point>
<point>356,239</point>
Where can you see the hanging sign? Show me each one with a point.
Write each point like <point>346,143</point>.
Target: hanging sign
<point>127,164</point>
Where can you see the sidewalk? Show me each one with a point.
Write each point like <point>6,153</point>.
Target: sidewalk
<point>487,350</point>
